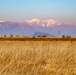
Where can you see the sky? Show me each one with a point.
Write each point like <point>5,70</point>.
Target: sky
<point>21,10</point>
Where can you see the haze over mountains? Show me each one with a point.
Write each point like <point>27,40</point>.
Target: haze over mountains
<point>29,27</point>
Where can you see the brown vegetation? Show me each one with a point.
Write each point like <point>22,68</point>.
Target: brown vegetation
<point>67,38</point>
<point>34,57</point>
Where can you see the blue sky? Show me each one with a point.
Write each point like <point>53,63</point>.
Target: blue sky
<point>21,10</point>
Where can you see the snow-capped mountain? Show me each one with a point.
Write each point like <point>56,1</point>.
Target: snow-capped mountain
<point>34,22</point>
<point>29,27</point>
<point>44,23</point>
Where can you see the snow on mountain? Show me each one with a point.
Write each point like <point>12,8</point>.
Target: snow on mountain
<point>33,22</point>
<point>44,23</point>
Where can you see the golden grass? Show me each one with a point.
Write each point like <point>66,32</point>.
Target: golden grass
<point>38,57</point>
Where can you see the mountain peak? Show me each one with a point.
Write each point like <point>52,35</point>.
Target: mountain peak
<point>44,23</point>
<point>34,20</point>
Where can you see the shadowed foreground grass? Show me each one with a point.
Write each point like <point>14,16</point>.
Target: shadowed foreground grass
<point>38,57</point>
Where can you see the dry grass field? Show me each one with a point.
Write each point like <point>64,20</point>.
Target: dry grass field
<point>38,57</point>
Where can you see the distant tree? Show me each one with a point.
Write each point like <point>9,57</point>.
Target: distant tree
<point>33,37</point>
<point>44,36</point>
<point>39,36</point>
<point>11,35</point>
<point>5,35</point>
<point>17,35</point>
<point>68,37</point>
<point>63,36</point>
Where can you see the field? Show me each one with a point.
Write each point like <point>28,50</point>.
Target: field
<point>38,57</point>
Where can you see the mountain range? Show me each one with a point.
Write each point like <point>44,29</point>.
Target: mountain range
<point>29,27</point>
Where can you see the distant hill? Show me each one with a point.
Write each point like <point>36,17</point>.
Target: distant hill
<point>42,34</point>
